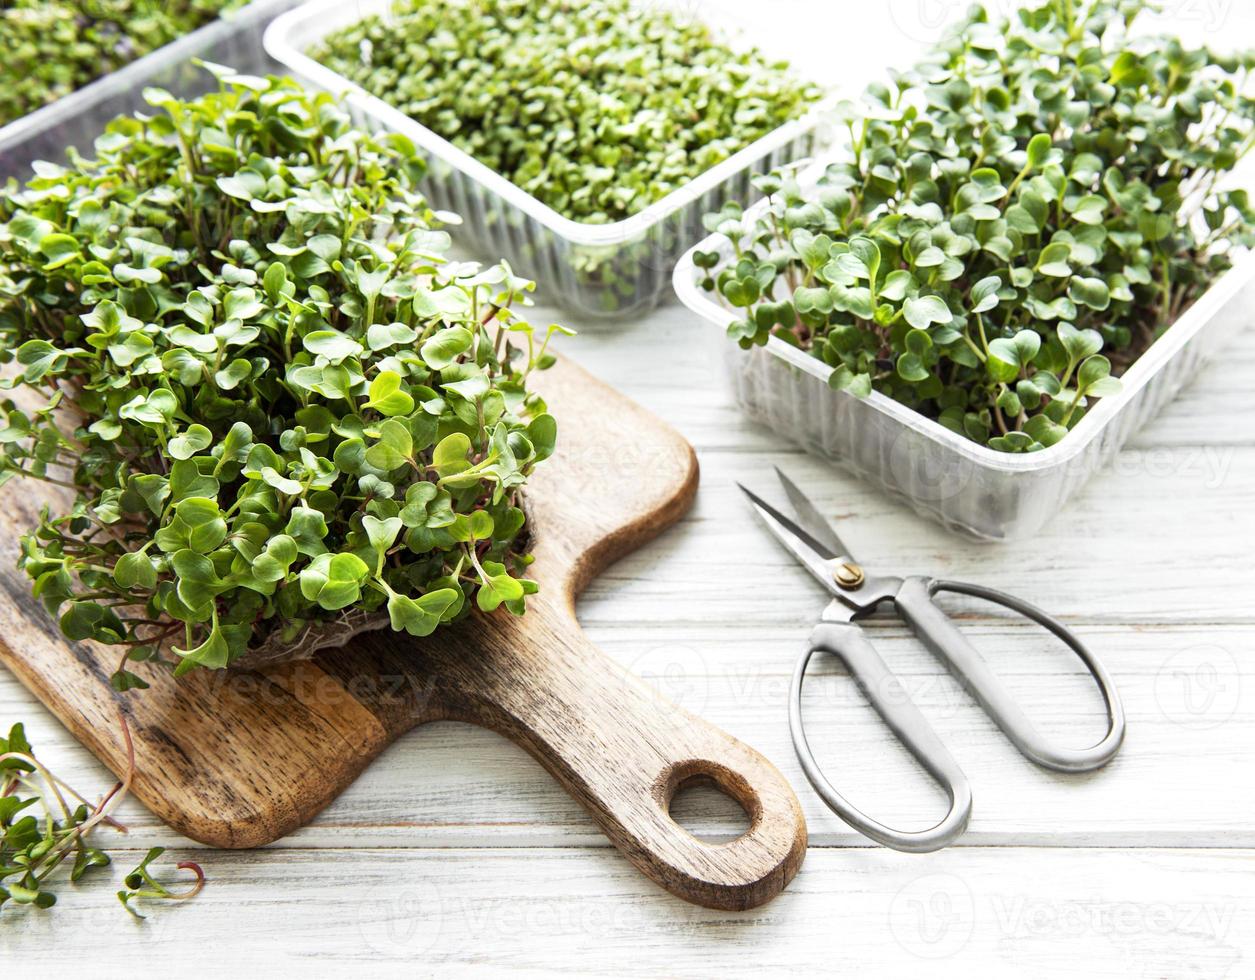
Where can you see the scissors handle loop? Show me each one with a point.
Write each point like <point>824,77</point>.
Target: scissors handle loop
<point>884,690</point>
<point>936,630</point>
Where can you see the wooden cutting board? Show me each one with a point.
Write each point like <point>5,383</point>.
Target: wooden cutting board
<point>239,759</point>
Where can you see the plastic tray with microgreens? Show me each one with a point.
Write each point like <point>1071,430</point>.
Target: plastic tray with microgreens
<point>583,141</point>
<point>597,108</point>
<point>53,48</point>
<point>1005,235</point>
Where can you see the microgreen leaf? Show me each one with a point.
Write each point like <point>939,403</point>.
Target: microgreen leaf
<point>386,396</point>
<point>421,616</point>
<point>924,311</point>
<point>334,581</point>
<point>394,448</point>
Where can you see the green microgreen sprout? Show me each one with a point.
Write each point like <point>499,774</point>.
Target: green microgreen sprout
<point>281,414</point>
<point>45,824</point>
<point>598,108</point>
<point>1011,225</point>
<point>141,883</point>
<point>54,47</point>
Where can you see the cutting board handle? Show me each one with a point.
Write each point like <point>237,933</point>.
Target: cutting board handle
<point>623,751</point>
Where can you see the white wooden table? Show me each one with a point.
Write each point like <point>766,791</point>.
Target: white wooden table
<point>455,854</point>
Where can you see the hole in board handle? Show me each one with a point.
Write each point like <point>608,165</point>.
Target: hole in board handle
<point>710,802</point>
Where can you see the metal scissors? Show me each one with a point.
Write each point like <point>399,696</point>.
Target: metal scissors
<point>857,592</point>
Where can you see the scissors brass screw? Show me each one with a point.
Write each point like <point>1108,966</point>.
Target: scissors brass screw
<point>856,592</point>
<point>850,576</point>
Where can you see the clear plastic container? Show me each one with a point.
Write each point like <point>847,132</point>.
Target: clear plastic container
<point>600,270</point>
<point>78,118</point>
<point>967,487</point>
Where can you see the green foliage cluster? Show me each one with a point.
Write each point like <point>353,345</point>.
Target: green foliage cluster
<point>1014,221</point>
<point>276,403</point>
<point>595,107</point>
<point>54,47</point>
<point>45,825</point>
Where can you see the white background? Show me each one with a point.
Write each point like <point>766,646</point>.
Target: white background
<point>456,854</point>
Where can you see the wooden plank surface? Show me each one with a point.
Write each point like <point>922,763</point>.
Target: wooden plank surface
<point>986,912</point>
<point>454,785</point>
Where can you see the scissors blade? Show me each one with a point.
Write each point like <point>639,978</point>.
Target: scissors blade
<point>809,552</point>
<point>817,527</point>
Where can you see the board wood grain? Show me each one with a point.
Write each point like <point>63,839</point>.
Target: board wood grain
<point>241,758</point>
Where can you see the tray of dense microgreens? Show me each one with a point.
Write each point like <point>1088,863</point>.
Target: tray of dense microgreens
<point>583,140</point>
<point>279,413</point>
<point>1025,247</point>
<point>73,67</point>
<point>53,48</point>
